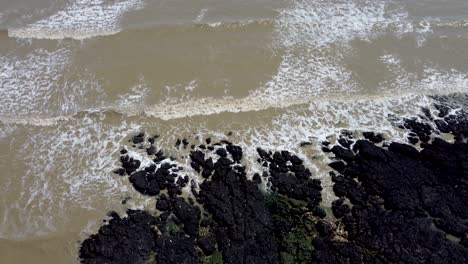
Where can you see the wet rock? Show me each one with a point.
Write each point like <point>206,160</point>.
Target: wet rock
<point>346,133</point>
<point>178,142</point>
<point>256,178</point>
<point>342,153</point>
<point>122,240</point>
<point>176,248</point>
<point>120,171</point>
<point>413,140</point>
<point>163,204</point>
<point>151,150</point>
<point>207,245</point>
<point>189,215</point>
<point>373,137</point>
<point>143,184</point>
<point>326,150</point>
<point>129,164</point>
<point>294,180</point>
<point>243,226</point>
<point>422,130</point>
<point>339,208</point>
<point>139,138</point>
<point>404,149</point>
<point>185,142</point>
<point>338,165</point>
<point>198,157</point>
<point>235,151</point>
<point>221,152</point>
<point>345,143</point>
<point>395,192</point>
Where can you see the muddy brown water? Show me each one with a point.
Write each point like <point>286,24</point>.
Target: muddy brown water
<point>78,77</point>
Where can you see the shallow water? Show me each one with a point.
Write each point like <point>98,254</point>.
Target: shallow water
<point>77,77</point>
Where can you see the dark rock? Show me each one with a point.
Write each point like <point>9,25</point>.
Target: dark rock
<point>404,149</point>
<point>256,178</point>
<point>422,130</point>
<point>178,142</point>
<point>413,140</point>
<point>137,139</point>
<point>207,245</point>
<point>120,171</point>
<point>122,240</point>
<point>293,181</point>
<point>198,157</point>
<point>326,150</point>
<point>235,151</point>
<point>346,133</point>
<point>221,152</point>
<point>342,153</point>
<point>340,209</point>
<point>223,162</point>
<point>243,232</point>
<point>163,205</point>
<point>176,248</point>
<point>151,150</point>
<point>338,165</point>
<point>143,184</point>
<point>345,143</point>
<point>395,192</point>
<point>189,215</point>
<point>129,164</point>
<point>372,137</point>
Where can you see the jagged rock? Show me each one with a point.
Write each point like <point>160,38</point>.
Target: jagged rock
<point>189,215</point>
<point>221,152</point>
<point>243,226</point>
<point>123,240</point>
<point>207,245</point>
<point>176,248</point>
<point>373,137</point>
<point>151,150</point>
<point>139,138</point>
<point>235,151</point>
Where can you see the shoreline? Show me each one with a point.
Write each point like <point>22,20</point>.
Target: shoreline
<point>395,203</point>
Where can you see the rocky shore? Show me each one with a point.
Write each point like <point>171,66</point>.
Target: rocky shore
<point>397,203</point>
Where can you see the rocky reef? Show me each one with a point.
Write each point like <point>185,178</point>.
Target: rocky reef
<point>396,203</point>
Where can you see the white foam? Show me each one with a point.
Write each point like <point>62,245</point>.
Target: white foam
<point>68,169</point>
<point>40,83</point>
<point>135,97</point>
<point>322,22</point>
<point>316,36</point>
<point>322,119</point>
<point>432,80</point>
<point>79,20</point>
<point>455,24</point>
<point>27,82</point>
<point>201,15</point>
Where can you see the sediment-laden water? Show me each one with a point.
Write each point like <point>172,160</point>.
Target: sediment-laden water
<point>78,78</point>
